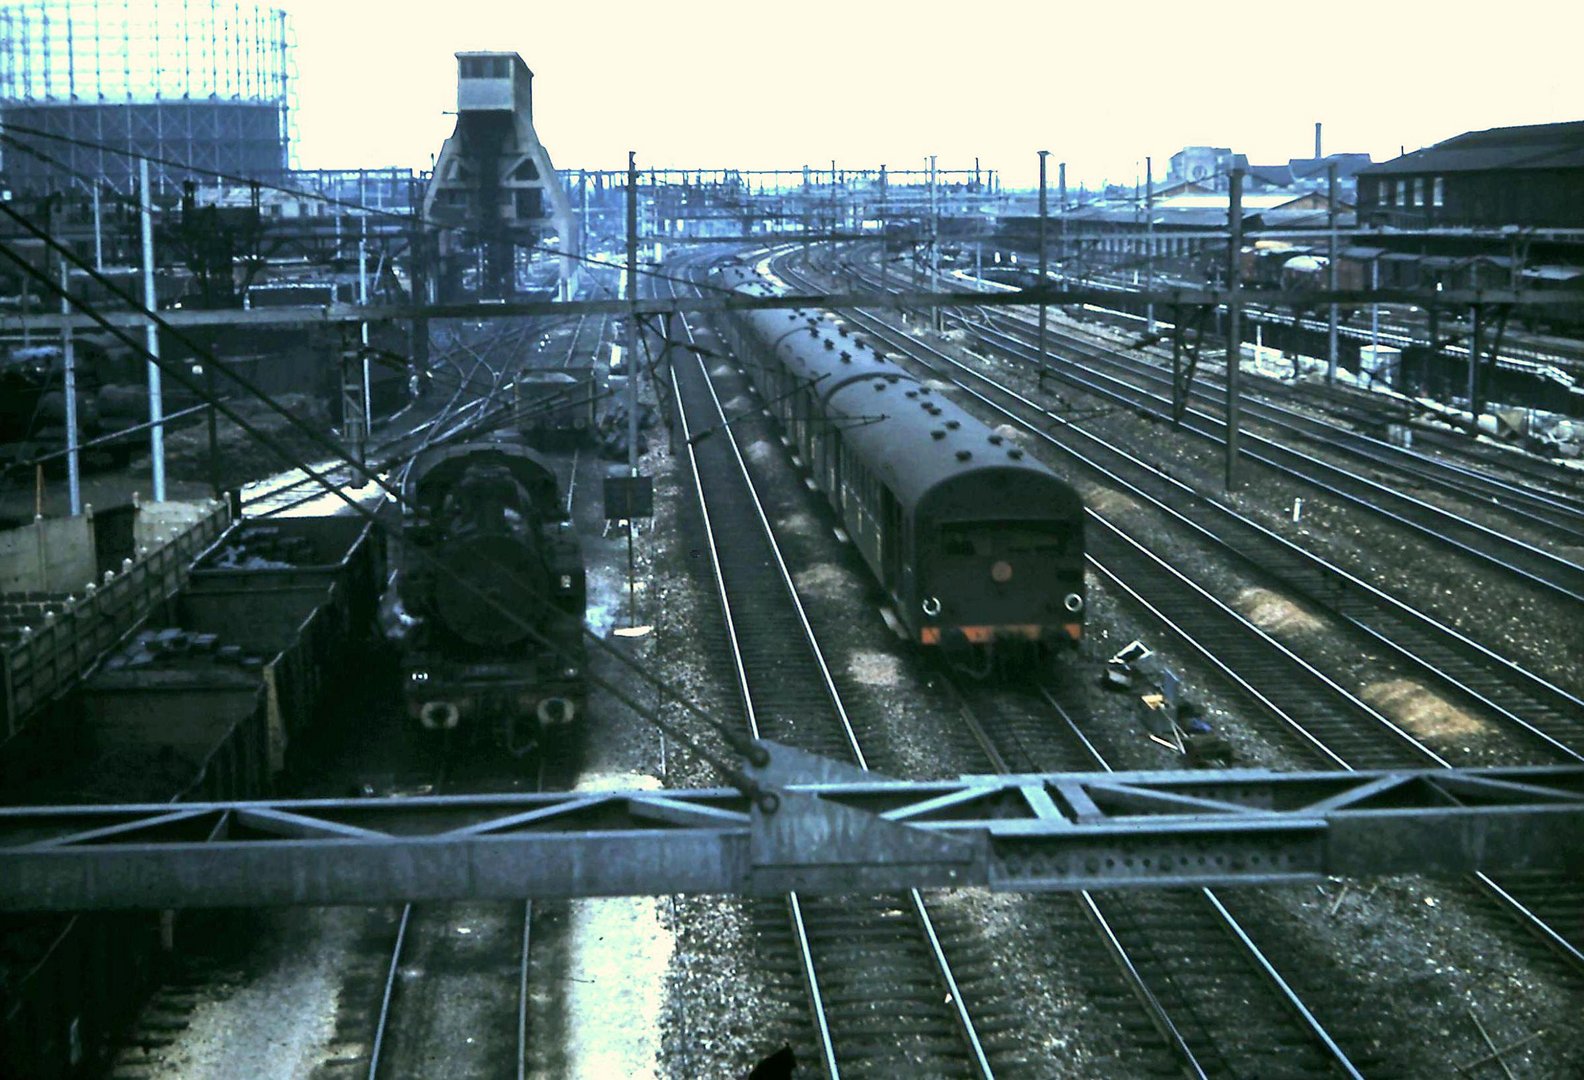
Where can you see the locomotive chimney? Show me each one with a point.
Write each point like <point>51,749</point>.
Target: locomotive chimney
<point>1318,154</point>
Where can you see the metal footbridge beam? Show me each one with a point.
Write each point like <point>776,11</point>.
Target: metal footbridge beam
<point>842,833</point>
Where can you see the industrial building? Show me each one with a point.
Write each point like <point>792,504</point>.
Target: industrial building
<point>494,185</point>
<point>1528,177</point>
<point>196,86</point>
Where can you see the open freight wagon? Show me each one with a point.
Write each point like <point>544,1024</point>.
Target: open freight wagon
<point>198,703</point>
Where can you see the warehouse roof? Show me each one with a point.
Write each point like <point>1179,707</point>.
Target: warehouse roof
<point>1537,146</point>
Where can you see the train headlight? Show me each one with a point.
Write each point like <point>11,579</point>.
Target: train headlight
<point>418,676</point>
<point>569,673</point>
<point>1073,603</point>
<point>931,606</point>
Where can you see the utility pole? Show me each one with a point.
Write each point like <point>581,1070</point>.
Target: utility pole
<point>1234,329</point>
<point>1149,240</point>
<point>1331,264</point>
<point>835,247</point>
<point>363,299</point>
<point>935,312</point>
<point>632,317</point>
<point>1043,280</point>
<point>1375,307</point>
<point>69,381</point>
<point>98,231</point>
<point>151,336</point>
<point>1061,216</point>
<point>420,287</point>
<point>1475,330</point>
<point>885,226</point>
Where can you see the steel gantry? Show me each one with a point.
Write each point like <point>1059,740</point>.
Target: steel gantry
<point>1062,296</point>
<point>843,833</point>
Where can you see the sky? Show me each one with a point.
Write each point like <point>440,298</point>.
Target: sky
<point>702,83</point>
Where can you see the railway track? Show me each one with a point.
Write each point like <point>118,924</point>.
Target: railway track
<point>479,376</point>
<point>1550,513</point>
<point>585,340</point>
<point>1367,410</point>
<point>1546,720</point>
<point>452,996</point>
<point>1537,349</point>
<point>1361,410</point>
<point>442,1009</point>
<point>882,996</point>
<point>1103,375</point>
<point>1325,724</point>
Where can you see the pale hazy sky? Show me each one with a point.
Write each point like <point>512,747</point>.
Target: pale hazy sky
<point>780,84</point>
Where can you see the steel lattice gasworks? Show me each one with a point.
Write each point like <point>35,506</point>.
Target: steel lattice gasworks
<point>205,84</point>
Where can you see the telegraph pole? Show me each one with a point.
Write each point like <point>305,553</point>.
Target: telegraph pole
<point>1234,329</point>
<point>935,312</point>
<point>632,316</point>
<point>151,336</point>
<point>1375,307</point>
<point>1149,240</point>
<point>363,299</point>
<point>1043,280</point>
<point>98,231</point>
<point>1331,267</point>
<point>1061,215</point>
<point>69,377</point>
<point>1475,330</point>
<point>885,226</point>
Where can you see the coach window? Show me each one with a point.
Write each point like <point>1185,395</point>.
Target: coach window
<point>1402,193</point>
<point>1383,193</point>
<point>1418,189</point>
<point>1438,191</point>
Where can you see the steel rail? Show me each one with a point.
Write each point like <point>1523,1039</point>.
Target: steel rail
<point>388,445</point>
<point>979,1059</point>
<point>1536,469</point>
<point>827,1048</point>
<point>522,990</point>
<point>1520,691</point>
<point>1505,898</point>
<point>1159,1015</point>
<point>1532,564</point>
<point>1536,566</point>
<point>389,992</point>
<point>1541,509</point>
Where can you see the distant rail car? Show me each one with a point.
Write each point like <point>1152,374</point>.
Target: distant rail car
<point>556,407</point>
<point>979,547</point>
<point>492,596</point>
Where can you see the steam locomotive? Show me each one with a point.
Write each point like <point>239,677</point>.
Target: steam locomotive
<point>979,547</point>
<point>492,595</point>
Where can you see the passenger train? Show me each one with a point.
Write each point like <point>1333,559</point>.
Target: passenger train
<point>978,546</point>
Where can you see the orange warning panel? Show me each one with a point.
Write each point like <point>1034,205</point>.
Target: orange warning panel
<point>984,635</point>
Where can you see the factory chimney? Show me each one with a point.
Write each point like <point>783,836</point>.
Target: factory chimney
<point>1318,154</point>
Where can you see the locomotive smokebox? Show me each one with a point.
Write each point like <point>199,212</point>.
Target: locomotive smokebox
<point>495,571</point>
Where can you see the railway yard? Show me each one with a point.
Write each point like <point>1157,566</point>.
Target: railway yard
<point>751,623</point>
